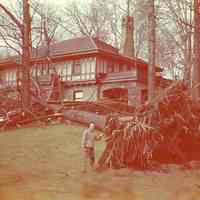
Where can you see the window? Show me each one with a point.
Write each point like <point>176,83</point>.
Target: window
<point>38,70</point>
<point>33,72</point>
<point>124,68</point>
<point>64,74</point>
<point>1,79</point>
<point>129,68</point>
<point>69,68</point>
<point>59,70</point>
<point>116,67</point>
<point>93,65</point>
<point>8,77</point>
<point>144,95</point>
<point>76,68</point>
<point>110,67</point>
<point>42,69</point>
<point>14,74</point>
<point>78,95</point>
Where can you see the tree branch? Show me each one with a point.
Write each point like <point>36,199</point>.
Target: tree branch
<point>7,43</point>
<point>12,17</point>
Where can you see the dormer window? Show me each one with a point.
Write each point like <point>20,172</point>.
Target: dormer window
<point>76,70</point>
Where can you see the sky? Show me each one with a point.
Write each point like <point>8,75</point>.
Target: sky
<point>56,2</point>
<point>61,2</point>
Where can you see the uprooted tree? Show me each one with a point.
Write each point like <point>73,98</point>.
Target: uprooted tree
<point>170,135</point>
<point>165,130</point>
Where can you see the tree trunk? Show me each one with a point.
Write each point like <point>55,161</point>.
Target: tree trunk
<point>189,51</point>
<point>152,47</point>
<point>188,59</point>
<point>26,43</point>
<point>196,68</point>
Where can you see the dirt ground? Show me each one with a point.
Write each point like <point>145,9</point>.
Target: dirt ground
<point>45,164</point>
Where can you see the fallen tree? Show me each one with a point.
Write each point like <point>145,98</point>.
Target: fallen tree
<point>13,114</point>
<point>164,131</point>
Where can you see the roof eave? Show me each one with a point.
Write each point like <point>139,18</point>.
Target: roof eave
<point>68,55</point>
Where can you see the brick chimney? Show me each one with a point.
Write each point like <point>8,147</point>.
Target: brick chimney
<point>127,43</point>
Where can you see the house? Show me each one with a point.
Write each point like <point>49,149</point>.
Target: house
<point>89,69</point>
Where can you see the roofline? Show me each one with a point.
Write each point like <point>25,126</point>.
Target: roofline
<point>74,53</point>
<point>133,60</point>
<point>65,55</point>
<point>33,60</point>
<point>93,42</point>
<point>80,53</point>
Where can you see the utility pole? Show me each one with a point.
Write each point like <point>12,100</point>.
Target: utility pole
<point>26,56</point>
<point>152,50</point>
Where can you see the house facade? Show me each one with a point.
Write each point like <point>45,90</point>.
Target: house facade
<point>89,70</point>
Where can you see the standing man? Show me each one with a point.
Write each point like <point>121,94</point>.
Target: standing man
<point>88,144</point>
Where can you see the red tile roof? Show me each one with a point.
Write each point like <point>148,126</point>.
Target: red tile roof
<point>73,46</point>
<point>67,47</point>
<point>104,46</point>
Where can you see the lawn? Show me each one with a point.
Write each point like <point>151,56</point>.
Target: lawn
<point>45,164</point>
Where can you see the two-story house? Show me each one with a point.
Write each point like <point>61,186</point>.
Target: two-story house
<point>89,69</point>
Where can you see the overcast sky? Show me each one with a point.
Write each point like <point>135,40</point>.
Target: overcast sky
<point>56,2</point>
<point>59,4</point>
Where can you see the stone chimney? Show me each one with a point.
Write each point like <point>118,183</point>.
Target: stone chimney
<point>127,43</point>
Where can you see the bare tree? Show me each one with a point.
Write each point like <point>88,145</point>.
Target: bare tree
<point>152,48</point>
<point>196,68</point>
<point>180,15</point>
<point>100,19</point>
<point>46,25</point>
<point>26,55</point>
<point>10,30</point>
<point>23,33</point>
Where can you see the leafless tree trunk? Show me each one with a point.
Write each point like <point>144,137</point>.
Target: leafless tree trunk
<point>25,31</point>
<point>176,27</point>
<point>188,45</point>
<point>188,59</point>
<point>152,48</point>
<point>26,47</point>
<point>196,68</point>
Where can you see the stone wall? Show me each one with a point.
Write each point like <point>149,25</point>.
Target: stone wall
<point>94,92</point>
<point>89,93</point>
<point>134,90</point>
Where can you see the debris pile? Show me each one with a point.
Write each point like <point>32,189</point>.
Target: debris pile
<point>101,107</point>
<point>45,104</point>
<point>161,132</point>
<point>39,114</point>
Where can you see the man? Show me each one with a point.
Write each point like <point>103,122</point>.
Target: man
<point>88,143</point>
